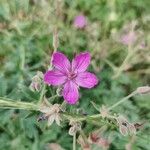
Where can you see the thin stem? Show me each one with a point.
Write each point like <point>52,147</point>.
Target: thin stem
<point>114,68</point>
<point>126,60</point>
<point>22,57</point>
<point>42,94</point>
<point>74,141</point>
<point>52,97</point>
<point>55,39</point>
<point>122,100</point>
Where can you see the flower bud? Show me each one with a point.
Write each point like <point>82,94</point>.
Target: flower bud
<point>80,22</point>
<point>36,82</point>
<point>143,90</point>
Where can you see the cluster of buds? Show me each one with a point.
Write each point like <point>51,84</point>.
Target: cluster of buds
<point>97,139</point>
<point>51,113</point>
<point>36,82</point>
<point>125,127</point>
<point>75,127</point>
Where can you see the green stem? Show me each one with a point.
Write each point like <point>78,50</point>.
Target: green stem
<point>11,104</point>
<point>74,141</point>
<point>42,94</point>
<point>126,60</point>
<point>122,100</point>
<point>52,97</point>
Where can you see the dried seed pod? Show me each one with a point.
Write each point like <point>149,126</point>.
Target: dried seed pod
<point>132,129</point>
<point>93,137</point>
<point>52,113</point>
<point>125,127</point>
<point>84,143</point>
<point>123,130</point>
<point>75,126</point>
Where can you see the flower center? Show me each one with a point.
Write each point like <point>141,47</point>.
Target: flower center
<point>72,75</point>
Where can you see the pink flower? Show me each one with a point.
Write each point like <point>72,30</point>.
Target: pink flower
<point>70,75</point>
<point>80,22</point>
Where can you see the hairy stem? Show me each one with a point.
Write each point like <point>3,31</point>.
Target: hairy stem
<point>11,104</point>
<point>42,94</point>
<point>125,62</point>
<point>122,100</point>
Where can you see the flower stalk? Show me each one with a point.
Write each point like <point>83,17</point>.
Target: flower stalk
<point>123,100</point>
<point>74,141</point>
<point>11,104</point>
<point>42,94</point>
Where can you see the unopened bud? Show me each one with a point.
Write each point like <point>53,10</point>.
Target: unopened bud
<point>143,90</point>
<point>36,82</point>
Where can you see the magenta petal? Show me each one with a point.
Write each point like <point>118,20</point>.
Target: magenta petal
<point>54,77</point>
<point>86,79</point>
<point>61,62</point>
<point>70,92</point>
<point>81,62</point>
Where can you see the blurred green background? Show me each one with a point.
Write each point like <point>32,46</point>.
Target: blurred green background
<point>26,37</point>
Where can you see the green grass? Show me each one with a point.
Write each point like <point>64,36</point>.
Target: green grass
<point>26,37</point>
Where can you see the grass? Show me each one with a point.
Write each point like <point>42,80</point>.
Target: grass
<point>26,39</point>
